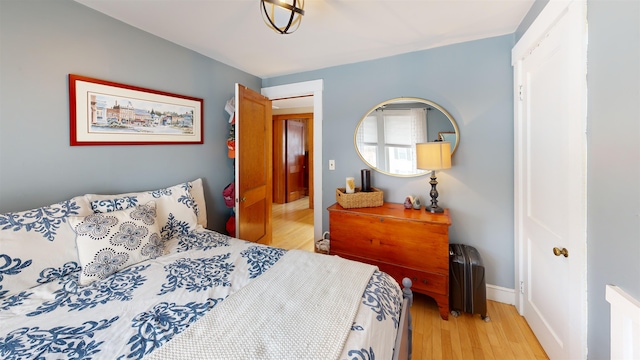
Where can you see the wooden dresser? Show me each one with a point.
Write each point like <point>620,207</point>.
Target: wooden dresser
<point>401,242</point>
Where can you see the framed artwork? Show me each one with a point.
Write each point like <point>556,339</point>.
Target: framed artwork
<point>108,113</point>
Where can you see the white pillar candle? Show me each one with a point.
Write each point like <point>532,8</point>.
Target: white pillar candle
<point>351,185</point>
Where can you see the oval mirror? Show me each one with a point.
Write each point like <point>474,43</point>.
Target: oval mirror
<point>386,137</point>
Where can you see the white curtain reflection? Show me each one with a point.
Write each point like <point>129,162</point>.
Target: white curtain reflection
<point>367,139</point>
<point>419,121</point>
<point>386,138</point>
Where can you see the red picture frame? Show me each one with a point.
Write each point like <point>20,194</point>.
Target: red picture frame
<point>109,113</point>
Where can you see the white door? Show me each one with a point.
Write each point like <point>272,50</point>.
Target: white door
<point>550,178</point>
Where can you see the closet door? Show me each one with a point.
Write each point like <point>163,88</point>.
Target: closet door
<point>550,178</point>
<point>253,166</point>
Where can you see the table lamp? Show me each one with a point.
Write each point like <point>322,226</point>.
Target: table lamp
<point>433,156</point>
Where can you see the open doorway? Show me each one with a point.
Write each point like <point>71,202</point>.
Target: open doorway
<point>292,156</point>
<point>293,185</point>
<point>313,87</point>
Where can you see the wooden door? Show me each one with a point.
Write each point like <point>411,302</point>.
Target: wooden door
<point>296,160</point>
<point>280,168</point>
<point>550,158</point>
<point>253,166</point>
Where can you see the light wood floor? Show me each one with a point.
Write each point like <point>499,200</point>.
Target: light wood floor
<point>292,225</point>
<point>506,336</point>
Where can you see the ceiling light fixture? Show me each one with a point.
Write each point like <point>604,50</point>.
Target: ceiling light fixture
<point>283,16</point>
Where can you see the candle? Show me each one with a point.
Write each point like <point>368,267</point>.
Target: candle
<point>351,185</point>
<point>366,179</point>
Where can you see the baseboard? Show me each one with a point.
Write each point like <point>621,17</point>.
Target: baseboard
<point>501,294</point>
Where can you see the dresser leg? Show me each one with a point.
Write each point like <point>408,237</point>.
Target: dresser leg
<point>444,310</point>
<point>443,306</point>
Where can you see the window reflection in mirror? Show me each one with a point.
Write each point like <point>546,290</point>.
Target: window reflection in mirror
<point>385,138</point>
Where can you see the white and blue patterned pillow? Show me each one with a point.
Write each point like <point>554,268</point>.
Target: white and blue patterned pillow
<point>110,242</point>
<point>197,191</point>
<point>37,246</point>
<point>175,207</point>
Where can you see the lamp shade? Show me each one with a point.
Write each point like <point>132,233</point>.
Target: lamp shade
<point>433,155</point>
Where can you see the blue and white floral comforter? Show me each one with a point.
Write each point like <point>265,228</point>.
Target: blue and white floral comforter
<point>137,310</point>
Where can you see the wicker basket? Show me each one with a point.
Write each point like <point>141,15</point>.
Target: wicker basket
<point>359,199</point>
<point>322,246</point>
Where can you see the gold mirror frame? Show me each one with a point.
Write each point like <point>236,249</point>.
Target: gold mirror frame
<point>441,134</point>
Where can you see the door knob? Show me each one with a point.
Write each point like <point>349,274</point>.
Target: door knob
<point>558,252</point>
<point>243,199</point>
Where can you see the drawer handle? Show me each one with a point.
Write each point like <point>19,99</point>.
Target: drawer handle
<point>424,281</point>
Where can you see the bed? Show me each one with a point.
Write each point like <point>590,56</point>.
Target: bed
<point>202,294</point>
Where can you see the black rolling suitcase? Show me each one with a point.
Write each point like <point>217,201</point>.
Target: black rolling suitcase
<point>467,288</point>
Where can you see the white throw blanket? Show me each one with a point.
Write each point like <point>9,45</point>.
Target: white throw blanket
<point>301,308</point>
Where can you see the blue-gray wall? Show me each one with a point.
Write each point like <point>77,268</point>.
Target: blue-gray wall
<point>41,43</point>
<point>613,146</point>
<point>474,82</point>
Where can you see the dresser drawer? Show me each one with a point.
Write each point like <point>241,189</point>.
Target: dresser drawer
<point>423,282</point>
<point>413,244</point>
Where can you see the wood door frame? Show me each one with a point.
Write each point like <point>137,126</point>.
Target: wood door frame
<point>536,33</point>
<point>278,166</point>
<point>279,160</point>
<point>315,88</point>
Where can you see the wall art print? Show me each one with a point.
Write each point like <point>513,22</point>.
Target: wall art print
<point>108,113</point>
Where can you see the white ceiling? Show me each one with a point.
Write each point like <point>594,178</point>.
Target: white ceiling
<point>332,32</point>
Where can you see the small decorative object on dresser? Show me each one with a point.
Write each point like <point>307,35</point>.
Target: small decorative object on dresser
<point>351,185</point>
<point>408,202</point>
<point>365,180</point>
<point>416,203</point>
<point>412,244</point>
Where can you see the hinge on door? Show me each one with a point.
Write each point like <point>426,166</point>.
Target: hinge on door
<point>521,287</point>
<point>520,93</point>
